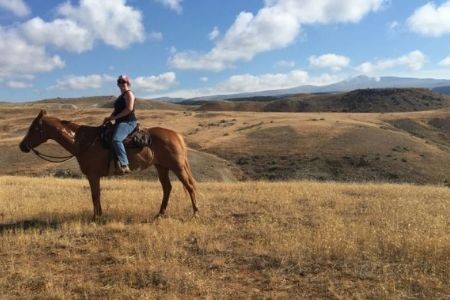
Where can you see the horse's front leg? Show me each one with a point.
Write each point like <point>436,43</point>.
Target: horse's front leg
<point>94,182</point>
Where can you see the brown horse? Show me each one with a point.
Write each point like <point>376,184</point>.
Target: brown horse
<point>167,152</point>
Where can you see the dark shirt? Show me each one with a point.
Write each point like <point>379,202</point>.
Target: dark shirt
<point>119,105</point>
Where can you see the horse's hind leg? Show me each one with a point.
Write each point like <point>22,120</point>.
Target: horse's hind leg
<point>188,184</point>
<point>163,174</point>
<point>94,182</point>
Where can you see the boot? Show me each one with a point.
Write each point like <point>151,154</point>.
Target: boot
<point>122,170</point>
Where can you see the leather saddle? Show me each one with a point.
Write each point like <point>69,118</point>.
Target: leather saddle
<point>138,138</point>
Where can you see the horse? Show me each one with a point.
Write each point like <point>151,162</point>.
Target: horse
<point>167,152</point>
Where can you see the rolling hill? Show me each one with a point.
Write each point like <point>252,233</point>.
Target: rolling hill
<point>226,146</point>
<point>363,100</point>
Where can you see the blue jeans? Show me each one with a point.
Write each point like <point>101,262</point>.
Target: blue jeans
<point>121,131</point>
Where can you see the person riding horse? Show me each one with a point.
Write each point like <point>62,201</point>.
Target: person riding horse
<point>125,122</point>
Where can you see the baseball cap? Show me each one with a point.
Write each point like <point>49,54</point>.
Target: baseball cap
<point>123,78</point>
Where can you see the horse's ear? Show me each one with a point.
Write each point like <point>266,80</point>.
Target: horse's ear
<point>42,113</point>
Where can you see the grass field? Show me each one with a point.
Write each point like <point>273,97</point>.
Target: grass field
<point>296,239</point>
<point>411,147</point>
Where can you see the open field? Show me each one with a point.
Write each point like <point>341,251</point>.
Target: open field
<point>411,147</point>
<point>254,239</point>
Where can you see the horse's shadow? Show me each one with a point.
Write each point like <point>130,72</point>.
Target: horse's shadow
<point>25,225</point>
<point>56,221</point>
<point>44,222</point>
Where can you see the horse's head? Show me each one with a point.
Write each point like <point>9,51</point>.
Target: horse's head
<point>36,134</point>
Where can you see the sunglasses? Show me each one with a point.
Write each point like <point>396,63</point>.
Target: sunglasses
<point>121,81</point>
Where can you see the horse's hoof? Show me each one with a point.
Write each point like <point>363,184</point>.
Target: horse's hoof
<point>160,216</point>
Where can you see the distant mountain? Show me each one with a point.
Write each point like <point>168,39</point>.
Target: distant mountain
<point>354,83</point>
<point>442,90</point>
<point>360,100</point>
<point>365,82</point>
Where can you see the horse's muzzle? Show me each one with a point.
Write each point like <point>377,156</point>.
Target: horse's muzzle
<point>24,147</point>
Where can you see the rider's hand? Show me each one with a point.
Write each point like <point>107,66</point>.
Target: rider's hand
<point>108,119</point>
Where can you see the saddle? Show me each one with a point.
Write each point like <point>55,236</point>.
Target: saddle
<point>138,138</point>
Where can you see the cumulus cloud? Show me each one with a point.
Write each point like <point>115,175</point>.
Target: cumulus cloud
<point>331,61</point>
<point>431,20</point>
<point>274,26</point>
<point>413,61</point>
<point>20,58</point>
<point>76,29</point>
<point>112,21</point>
<point>445,61</point>
<point>172,4</point>
<point>72,82</point>
<point>61,33</point>
<point>155,83</point>
<point>17,7</point>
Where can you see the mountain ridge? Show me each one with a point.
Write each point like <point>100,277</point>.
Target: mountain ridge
<point>357,82</point>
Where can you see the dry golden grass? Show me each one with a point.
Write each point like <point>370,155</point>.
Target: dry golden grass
<point>253,239</point>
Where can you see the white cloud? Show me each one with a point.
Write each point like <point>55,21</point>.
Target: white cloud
<point>172,4</point>
<point>393,25</point>
<point>72,82</point>
<point>155,83</point>
<point>14,84</point>
<point>274,26</point>
<point>172,50</point>
<point>330,60</point>
<point>141,84</point>
<point>413,61</point>
<point>20,58</point>
<point>285,64</point>
<point>250,83</point>
<point>112,21</point>
<point>247,82</point>
<point>204,79</point>
<point>214,34</point>
<point>24,46</point>
<point>61,33</point>
<point>156,36</point>
<point>17,7</point>
<point>445,61</point>
<point>430,20</point>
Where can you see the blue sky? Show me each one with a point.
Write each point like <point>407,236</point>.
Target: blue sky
<point>188,48</point>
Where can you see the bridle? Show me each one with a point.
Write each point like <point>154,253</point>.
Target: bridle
<point>58,159</point>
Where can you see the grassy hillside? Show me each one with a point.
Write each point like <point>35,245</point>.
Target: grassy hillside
<point>253,239</point>
<point>394,147</point>
<point>364,100</point>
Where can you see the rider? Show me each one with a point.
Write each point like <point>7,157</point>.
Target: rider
<point>125,121</point>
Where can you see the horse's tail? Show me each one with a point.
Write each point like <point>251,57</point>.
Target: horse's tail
<point>187,166</point>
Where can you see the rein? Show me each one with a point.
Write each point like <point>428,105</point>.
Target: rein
<point>46,157</point>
